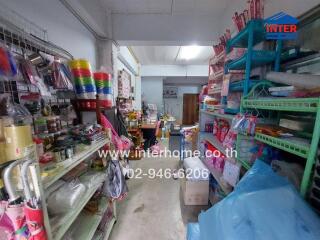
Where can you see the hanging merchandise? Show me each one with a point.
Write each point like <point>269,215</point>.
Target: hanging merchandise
<point>15,205</point>
<point>115,187</point>
<point>82,76</point>
<point>8,67</point>
<point>103,82</point>
<point>124,84</point>
<point>61,76</point>
<point>32,208</point>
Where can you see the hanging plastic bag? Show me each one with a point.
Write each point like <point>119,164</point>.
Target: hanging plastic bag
<point>8,66</point>
<point>115,187</point>
<point>61,76</point>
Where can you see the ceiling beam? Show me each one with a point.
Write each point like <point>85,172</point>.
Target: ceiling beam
<point>174,70</point>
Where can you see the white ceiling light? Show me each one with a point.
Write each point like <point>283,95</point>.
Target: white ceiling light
<point>189,52</point>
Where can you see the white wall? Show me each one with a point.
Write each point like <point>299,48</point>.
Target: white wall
<point>152,91</point>
<point>63,28</point>
<point>174,106</point>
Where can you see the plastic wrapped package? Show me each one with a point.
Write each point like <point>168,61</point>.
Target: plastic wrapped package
<point>115,187</point>
<point>193,231</point>
<point>92,179</point>
<point>66,197</point>
<point>263,206</point>
<point>54,187</point>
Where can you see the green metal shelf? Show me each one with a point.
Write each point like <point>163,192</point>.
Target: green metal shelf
<point>283,104</point>
<point>244,163</point>
<point>300,150</point>
<point>258,58</point>
<point>241,39</point>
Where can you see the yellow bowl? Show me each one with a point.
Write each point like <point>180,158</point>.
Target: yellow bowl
<point>79,63</point>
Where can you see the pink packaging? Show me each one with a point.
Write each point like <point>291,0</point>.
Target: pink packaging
<point>219,163</point>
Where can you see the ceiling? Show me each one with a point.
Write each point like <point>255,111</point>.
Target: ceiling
<point>169,55</point>
<point>165,6</point>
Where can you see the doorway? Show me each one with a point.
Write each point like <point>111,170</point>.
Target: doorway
<point>190,109</point>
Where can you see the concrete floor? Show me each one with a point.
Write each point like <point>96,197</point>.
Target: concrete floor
<point>153,208</point>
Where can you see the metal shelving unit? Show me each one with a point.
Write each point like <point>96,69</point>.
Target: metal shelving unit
<point>250,36</point>
<point>309,152</point>
<point>300,150</point>
<point>69,164</point>
<point>75,216</point>
<point>218,115</point>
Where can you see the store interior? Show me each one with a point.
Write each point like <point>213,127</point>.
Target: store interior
<point>163,120</point>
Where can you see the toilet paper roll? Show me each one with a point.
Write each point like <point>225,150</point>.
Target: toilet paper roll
<point>18,141</point>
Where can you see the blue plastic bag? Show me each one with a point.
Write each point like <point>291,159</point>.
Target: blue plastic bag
<point>193,231</point>
<point>263,206</point>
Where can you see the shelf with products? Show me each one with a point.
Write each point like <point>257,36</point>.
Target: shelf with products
<point>212,140</point>
<point>300,149</point>
<point>238,86</point>
<point>67,165</point>
<point>87,223</point>
<point>307,149</point>
<point>258,58</point>
<point>218,177</point>
<point>283,104</point>
<point>218,115</point>
<point>67,220</point>
<point>255,27</point>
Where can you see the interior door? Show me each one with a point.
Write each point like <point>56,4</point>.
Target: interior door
<point>190,109</point>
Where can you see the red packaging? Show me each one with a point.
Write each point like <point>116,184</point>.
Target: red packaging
<point>252,9</point>
<point>258,9</point>
<point>246,15</point>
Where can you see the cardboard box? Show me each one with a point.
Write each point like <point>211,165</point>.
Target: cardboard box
<point>195,192</point>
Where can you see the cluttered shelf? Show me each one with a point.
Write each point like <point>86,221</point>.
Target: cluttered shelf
<point>64,223</point>
<point>65,166</point>
<point>212,140</point>
<point>218,177</point>
<point>87,223</point>
<point>219,115</point>
<point>258,58</point>
<point>283,104</point>
<point>298,148</point>
<point>241,39</point>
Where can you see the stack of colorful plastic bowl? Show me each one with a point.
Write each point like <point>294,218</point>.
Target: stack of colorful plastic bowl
<point>82,75</point>
<point>103,83</point>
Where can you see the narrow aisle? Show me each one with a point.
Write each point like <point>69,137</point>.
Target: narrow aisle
<point>152,209</point>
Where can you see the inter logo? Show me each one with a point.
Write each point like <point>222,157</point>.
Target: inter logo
<point>281,26</point>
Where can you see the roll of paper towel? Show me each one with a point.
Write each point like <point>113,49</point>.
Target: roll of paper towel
<point>303,81</point>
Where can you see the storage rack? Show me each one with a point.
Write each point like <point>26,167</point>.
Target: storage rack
<point>307,151</point>
<point>89,222</point>
<point>250,36</point>
<point>23,36</point>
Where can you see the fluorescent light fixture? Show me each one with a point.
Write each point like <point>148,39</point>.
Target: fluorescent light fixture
<point>189,52</point>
